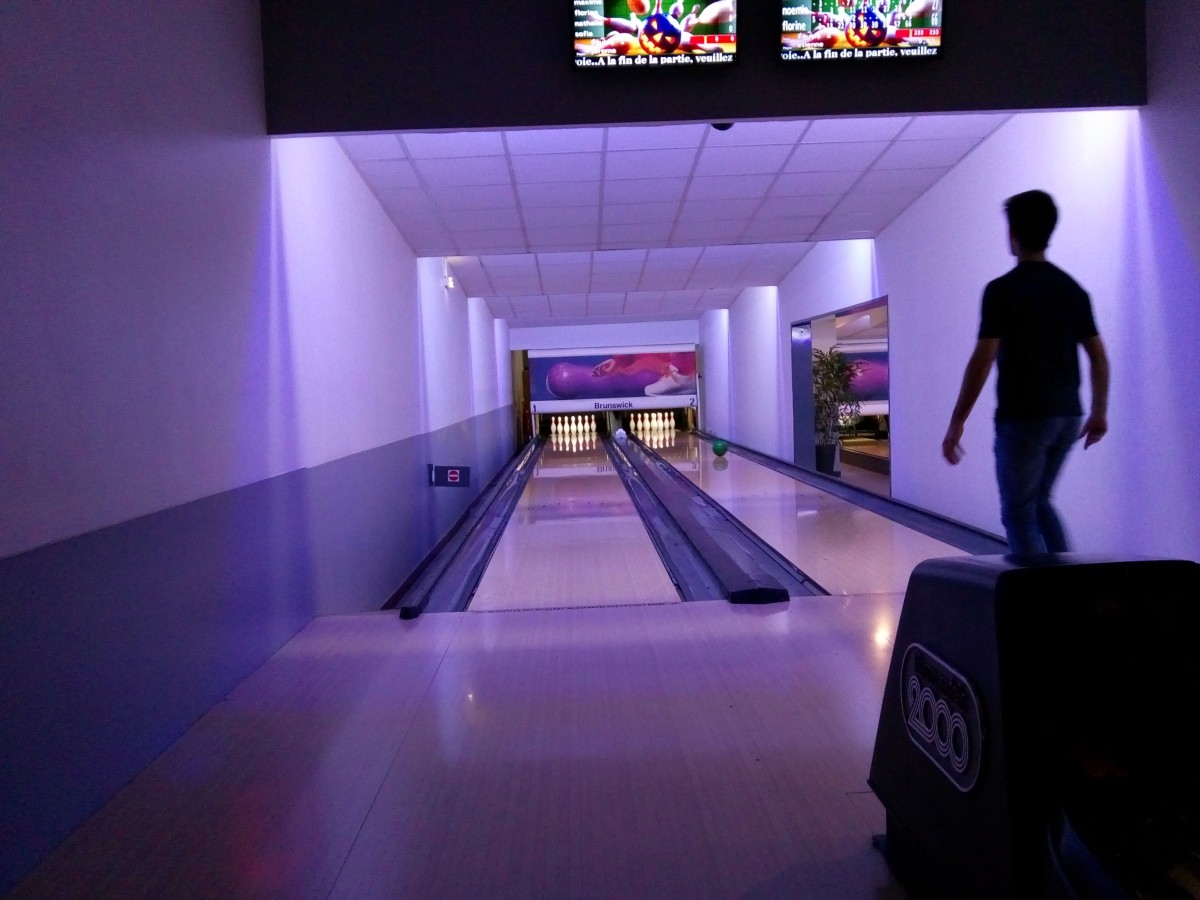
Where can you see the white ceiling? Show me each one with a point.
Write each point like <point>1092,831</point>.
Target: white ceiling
<point>630,222</point>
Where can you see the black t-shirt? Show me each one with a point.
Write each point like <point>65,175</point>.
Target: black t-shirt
<point>1040,314</point>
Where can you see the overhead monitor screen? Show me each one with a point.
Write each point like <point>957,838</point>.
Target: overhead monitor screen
<point>633,34</point>
<point>861,29</point>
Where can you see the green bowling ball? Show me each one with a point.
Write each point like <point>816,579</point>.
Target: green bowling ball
<point>719,447</point>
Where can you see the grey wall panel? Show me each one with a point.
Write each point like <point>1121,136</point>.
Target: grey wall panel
<point>115,642</point>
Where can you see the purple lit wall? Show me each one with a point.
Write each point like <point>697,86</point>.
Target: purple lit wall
<point>211,394</point>
<point>715,417</point>
<point>350,286</point>
<point>755,372</point>
<point>833,275</point>
<point>136,215</point>
<point>1121,235</point>
<point>1125,183</point>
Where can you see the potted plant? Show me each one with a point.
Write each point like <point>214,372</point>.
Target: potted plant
<point>834,402</point>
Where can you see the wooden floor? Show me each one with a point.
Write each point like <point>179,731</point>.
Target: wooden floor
<point>685,750</point>
<point>843,547</point>
<point>673,750</point>
<point>575,508</point>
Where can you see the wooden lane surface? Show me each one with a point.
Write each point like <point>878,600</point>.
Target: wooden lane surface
<point>574,539</point>
<point>843,547</point>
<point>698,750</point>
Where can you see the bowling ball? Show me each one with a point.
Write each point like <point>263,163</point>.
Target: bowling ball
<point>719,447</point>
<point>660,35</point>
<point>866,29</point>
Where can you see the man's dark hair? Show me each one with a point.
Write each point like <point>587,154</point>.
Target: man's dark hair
<point>1031,218</point>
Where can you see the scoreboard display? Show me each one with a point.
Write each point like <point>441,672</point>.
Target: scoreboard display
<point>861,29</point>
<point>642,33</point>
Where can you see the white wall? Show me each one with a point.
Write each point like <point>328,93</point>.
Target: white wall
<point>445,348</point>
<point>621,334</point>
<point>1137,491</point>
<point>348,286</point>
<point>135,220</point>
<point>187,306</point>
<point>715,413</point>
<point>833,275</point>
<point>489,348</point>
<point>756,364</point>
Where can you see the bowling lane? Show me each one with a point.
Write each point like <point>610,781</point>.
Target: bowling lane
<point>844,548</point>
<point>574,539</point>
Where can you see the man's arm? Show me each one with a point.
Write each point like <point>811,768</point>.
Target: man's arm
<point>1096,425</point>
<point>974,378</point>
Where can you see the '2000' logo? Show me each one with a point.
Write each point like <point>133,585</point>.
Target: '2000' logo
<point>941,715</point>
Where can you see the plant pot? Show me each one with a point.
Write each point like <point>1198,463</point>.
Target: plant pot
<point>827,459</point>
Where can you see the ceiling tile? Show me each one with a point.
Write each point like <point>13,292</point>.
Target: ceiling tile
<point>412,200</point>
<point>516,286</point>
<point>481,218</point>
<point>674,257</point>
<point>508,261</point>
<point>643,165</point>
<point>504,240</point>
<point>478,170</point>
<point>638,190</point>
<point>546,167</point>
<point>783,207</point>
<point>729,187</point>
<point>559,236</point>
<point>887,205</point>
<point>813,183</point>
<point>433,243</point>
<point>478,196</point>
<point>925,154</point>
<point>654,137</point>
<point>724,209</point>
<point>540,216</point>
<point>565,281</point>
<point>611,258</point>
<point>554,140</point>
<point>556,194</point>
<point>635,213</point>
<point>918,180</point>
<point>791,229</point>
<point>969,125</point>
<point>454,144</point>
<point>838,131</point>
<point>389,173</point>
<point>582,193</point>
<point>565,259</point>
<point>709,231</point>
<point>741,160</point>
<point>834,157</point>
<point>634,235</point>
<point>759,133</point>
<point>371,146</point>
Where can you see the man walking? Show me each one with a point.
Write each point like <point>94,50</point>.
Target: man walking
<point>1034,318</point>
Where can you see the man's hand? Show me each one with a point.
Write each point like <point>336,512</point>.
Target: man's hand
<point>1093,429</point>
<point>950,446</point>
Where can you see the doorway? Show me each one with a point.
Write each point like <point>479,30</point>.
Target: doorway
<point>861,333</point>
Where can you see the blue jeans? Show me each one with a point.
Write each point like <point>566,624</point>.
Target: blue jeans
<point>1029,455</point>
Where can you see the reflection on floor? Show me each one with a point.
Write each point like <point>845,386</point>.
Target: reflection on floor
<point>867,480</point>
<point>664,749</point>
<point>698,750</point>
